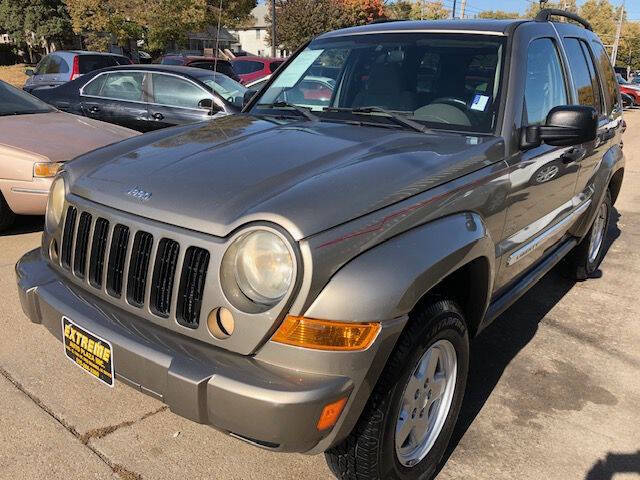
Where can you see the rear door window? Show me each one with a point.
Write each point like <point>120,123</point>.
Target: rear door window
<point>608,77</point>
<point>584,81</point>
<point>41,69</point>
<point>244,68</point>
<point>172,91</point>
<point>273,66</point>
<point>545,85</point>
<point>94,87</point>
<point>125,86</point>
<point>56,65</point>
<point>89,63</point>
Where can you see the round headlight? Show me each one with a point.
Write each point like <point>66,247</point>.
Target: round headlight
<point>55,204</point>
<point>263,267</point>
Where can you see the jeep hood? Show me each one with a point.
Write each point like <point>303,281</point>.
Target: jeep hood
<point>305,176</point>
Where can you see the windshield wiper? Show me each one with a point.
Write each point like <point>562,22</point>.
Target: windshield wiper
<point>396,117</point>
<point>305,112</point>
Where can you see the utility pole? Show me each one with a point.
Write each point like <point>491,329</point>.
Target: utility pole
<point>273,28</point>
<point>453,11</point>
<point>462,8</point>
<point>614,52</point>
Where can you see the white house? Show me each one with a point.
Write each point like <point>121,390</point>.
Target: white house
<point>253,39</point>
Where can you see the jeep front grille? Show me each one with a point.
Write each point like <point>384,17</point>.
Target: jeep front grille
<point>117,256</point>
<point>194,272</point>
<point>98,252</point>
<point>163,276</point>
<point>135,267</point>
<point>82,242</point>
<point>67,237</point>
<point>138,268</point>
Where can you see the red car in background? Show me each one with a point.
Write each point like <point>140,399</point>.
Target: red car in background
<point>629,88</point>
<point>206,63</point>
<point>250,69</point>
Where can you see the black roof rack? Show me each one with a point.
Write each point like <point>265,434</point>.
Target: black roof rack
<point>545,14</point>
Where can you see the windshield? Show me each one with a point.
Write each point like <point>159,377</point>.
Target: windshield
<point>17,102</point>
<point>226,87</point>
<point>449,81</point>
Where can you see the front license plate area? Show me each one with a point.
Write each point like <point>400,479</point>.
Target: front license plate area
<point>88,351</point>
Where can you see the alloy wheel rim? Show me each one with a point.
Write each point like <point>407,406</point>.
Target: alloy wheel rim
<point>426,401</point>
<point>547,174</point>
<point>598,233</point>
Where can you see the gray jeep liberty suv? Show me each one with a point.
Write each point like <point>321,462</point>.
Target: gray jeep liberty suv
<point>306,276</point>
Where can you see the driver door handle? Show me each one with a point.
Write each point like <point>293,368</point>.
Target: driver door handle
<point>574,154</point>
<point>158,116</point>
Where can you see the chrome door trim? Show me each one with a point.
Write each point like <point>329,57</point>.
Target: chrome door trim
<point>539,240</point>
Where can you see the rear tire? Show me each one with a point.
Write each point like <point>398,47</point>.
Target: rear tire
<point>586,257</point>
<point>371,451</point>
<point>7,217</point>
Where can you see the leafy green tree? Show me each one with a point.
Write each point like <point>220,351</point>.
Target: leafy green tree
<point>629,50</point>
<point>35,24</point>
<point>498,14</point>
<point>300,20</point>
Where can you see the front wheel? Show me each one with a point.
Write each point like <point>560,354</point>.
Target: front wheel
<point>407,423</point>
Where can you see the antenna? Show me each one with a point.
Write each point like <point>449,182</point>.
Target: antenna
<point>215,53</point>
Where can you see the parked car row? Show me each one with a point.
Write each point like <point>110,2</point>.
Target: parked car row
<point>60,67</point>
<point>629,90</point>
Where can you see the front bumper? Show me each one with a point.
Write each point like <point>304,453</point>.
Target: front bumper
<point>255,398</point>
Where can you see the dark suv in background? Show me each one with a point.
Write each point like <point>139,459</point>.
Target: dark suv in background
<point>61,67</point>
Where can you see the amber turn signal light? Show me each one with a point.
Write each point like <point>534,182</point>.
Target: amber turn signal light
<point>330,414</point>
<point>325,334</point>
<point>46,169</point>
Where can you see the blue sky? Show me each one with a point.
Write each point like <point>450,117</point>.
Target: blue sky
<point>474,6</point>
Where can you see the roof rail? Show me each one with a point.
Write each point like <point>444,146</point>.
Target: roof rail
<point>544,15</point>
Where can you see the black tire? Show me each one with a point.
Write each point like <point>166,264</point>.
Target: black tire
<point>369,452</point>
<point>578,265</point>
<point>7,217</point>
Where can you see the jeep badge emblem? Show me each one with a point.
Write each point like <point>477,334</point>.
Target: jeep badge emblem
<point>137,192</point>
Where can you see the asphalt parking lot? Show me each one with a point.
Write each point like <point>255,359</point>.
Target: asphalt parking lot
<point>554,390</point>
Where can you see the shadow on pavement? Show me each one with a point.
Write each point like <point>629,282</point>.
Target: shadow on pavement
<point>614,463</point>
<point>23,225</point>
<point>494,349</point>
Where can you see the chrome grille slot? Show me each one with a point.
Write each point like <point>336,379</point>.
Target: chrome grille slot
<point>194,272</point>
<point>98,252</point>
<point>117,255</point>
<point>163,276</point>
<point>82,245</point>
<point>138,268</point>
<point>67,238</point>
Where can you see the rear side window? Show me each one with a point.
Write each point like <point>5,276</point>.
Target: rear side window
<point>89,63</point>
<point>608,76</point>
<point>57,65</point>
<point>243,68</point>
<point>176,92</point>
<point>94,87</point>
<point>172,61</point>
<point>584,78</point>
<point>125,86</point>
<point>41,69</point>
<point>273,66</point>
<point>545,86</point>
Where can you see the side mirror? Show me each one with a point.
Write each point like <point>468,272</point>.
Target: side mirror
<point>206,103</point>
<point>248,95</point>
<point>29,72</point>
<point>565,126</point>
